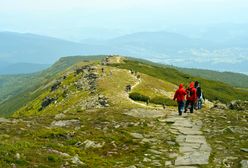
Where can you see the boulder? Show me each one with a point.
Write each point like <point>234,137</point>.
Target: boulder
<point>219,105</point>
<point>238,105</point>
<point>91,144</point>
<point>55,86</point>
<point>244,164</point>
<point>46,102</point>
<point>4,120</point>
<point>137,135</point>
<point>65,123</point>
<point>77,161</point>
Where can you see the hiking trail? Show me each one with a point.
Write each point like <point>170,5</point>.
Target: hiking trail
<point>193,147</point>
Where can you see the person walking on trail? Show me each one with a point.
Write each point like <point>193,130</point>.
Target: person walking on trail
<point>191,98</point>
<point>199,94</point>
<point>180,96</point>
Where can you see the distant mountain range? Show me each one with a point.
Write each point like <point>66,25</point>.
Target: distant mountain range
<point>30,48</point>
<point>22,68</point>
<point>163,47</point>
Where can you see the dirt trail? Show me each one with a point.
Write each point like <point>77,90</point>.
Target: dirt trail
<point>139,81</point>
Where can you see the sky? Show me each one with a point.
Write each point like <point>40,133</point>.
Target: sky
<point>92,18</point>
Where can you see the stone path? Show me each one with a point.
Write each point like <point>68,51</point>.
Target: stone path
<point>193,147</point>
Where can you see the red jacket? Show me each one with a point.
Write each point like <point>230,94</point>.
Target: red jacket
<point>180,94</point>
<point>191,92</point>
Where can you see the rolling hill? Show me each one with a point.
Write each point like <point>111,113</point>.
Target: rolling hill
<point>13,97</point>
<point>31,48</point>
<point>80,114</point>
<point>163,47</point>
<point>234,79</point>
<point>22,68</point>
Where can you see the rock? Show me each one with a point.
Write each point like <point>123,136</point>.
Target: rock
<point>147,160</point>
<point>46,102</point>
<point>156,163</point>
<point>103,101</point>
<point>189,131</point>
<point>4,120</point>
<point>244,149</point>
<point>173,155</point>
<point>131,166</point>
<point>55,86</point>
<point>195,158</point>
<point>58,152</point>
<point>13,165</point>
<point>59,116</point>
<point>4,136</point>
<point>186,167</point>
<point>244,164</point>
<point>171,142</point>
<point>218,105</point>
<point>137,135</point>
<point>167,163</point>
<point>238,105</point>
<point>145,113</point>
<point>77,161</point>
<point>193,147</point>
<point>18,156</point>
<point>155,151</point>
<point>195,139</point>
<point>91,144</point>
<point>65,123</point>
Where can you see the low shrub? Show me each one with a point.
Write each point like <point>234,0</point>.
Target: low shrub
<point>138,97</point>
<point>163,100</point>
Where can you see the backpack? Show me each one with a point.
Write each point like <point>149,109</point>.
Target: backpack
<point>198,92</point>
<point>189,92</point>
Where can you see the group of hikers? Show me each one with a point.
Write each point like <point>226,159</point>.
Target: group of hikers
<point>194,97</point>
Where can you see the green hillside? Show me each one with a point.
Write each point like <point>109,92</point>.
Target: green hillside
<point>16,90</point>
<point>213,90</point>
<point>234,79</point>
<point>81,115</point>
<point>231,78</point>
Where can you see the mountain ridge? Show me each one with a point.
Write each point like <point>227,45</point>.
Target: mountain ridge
<point>82,115</point>
<point>227,94</point>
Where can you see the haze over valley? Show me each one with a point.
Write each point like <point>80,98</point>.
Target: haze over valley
<point>40,33</point>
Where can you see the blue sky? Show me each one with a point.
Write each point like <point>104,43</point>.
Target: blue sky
<point>62,17</point>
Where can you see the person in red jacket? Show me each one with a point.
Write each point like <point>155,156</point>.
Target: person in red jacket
<point>180,96</point>
<point>191,97</point>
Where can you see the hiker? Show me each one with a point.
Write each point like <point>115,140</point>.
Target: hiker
<point>199,95</point>
<point>180,96</point>
<point>191,98</point>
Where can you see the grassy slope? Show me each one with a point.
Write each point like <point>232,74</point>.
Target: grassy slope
<point>35,135</point>
<point>234,79</point>
<point>213,90</point>
<point>226,131</point>
<point>28,84</point>
<point>26,89</point>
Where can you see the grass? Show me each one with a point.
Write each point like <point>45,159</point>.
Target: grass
<point>226,132</point>
<point>213,90</point>
<point>18,90</point>
<point>33,138</point>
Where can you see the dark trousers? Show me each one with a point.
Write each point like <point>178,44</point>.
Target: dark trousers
<point>191,103</point>
<point>180,107</point>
